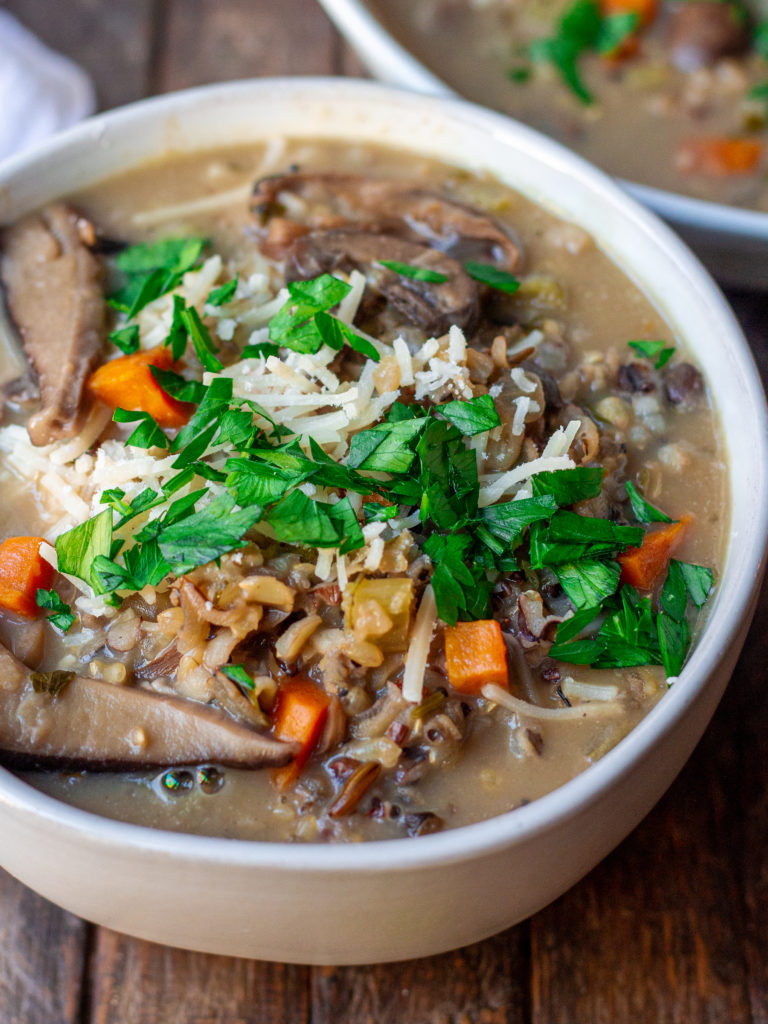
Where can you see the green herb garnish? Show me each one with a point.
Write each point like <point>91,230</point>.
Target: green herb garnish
<point>52,683</point>
<point>415,273</point>
<point>62,617</point>
<point>238,675</point>
<point>492,276</point>
<point>582,28</point>
<point>126,339</point>
<point>223,294</point>
<point>77,548</point>
<point>152,269</point>
<point>658,350</point>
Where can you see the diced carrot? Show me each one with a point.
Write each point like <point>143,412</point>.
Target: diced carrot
<point>22,573</point>
<point>300,713</point>
<point>717,156</point>
<point>641,567</point>
<point>475,654</point>
<point>646,10</point>
<point>127,382</point>
<point>375,499</point>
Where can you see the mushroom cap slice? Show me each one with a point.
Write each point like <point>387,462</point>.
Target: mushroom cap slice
<point>53,289</point>
<point>433,306</point>
<point>98,725</point>
<point>390,207</point>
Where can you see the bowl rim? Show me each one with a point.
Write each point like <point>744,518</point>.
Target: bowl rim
<point>363,30</point>
<point>743,568</point>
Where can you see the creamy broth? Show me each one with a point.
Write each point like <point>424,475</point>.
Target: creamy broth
<point>653,119</point>
<point>466,755</point>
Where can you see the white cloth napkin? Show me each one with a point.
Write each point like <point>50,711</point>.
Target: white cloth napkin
<point>40,91</point>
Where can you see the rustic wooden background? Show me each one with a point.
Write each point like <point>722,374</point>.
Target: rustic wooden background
<point>672,928</point>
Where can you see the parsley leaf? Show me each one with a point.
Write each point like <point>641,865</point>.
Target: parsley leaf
<point>643,510</point>
<point>293,326</point>
<point>385,446</point>
<point>201,339</point>
<point>415,273</point>
<point>508,519</point>
<point>335,333</point>
<point>658,350</point>
<point>698,581</point>
<point>264,349</point>
<point>588,582</point>
<point>147,435</point>
<point>205,535</point>
<point>77,548</point>
<point>473,416</point>
<point>153,268</point>
<point>238,675</point>
<point>179,387</point>
<point>223,294</point>
<point>569,486</point>
<point>126,339</point>
<point>486,273</point>
<point>299,520</point>
<point>62,618</point>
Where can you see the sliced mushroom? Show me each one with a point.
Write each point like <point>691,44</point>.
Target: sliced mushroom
<point>93,724</point>
<point>700,32</point>
<point>53,288</point>
<point>683,386</point>
<point>391,207</point>
<point>429,305</point>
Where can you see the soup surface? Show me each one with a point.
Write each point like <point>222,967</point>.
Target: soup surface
<point>395,511</point>
<point>670,94</point>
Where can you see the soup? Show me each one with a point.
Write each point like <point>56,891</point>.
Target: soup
<point>672,94</point>
<point>363,492</point>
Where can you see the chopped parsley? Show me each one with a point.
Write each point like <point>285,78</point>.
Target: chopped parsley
<point>415,273</point>
<point>151,269</point>
<point>416,459</point>
<point>654,350</point>
<point>486,273</point>
<point>126,339</point>
<point>581,29</point>
<point>62,617</point>
<point>223,294</point>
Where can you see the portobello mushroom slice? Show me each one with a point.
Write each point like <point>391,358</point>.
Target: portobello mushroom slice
<point>53,290</point>
<point>433,306</point>
<point>390,207</point>
<point>101,726</point>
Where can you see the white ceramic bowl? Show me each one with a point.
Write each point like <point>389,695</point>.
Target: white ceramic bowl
<point>731,241</point>
<point>409,897</point>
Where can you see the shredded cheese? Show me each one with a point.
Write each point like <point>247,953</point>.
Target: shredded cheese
<point>418,649</point>
<point>523,710</point>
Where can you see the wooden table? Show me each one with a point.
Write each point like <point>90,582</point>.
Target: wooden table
<point>672,927</point>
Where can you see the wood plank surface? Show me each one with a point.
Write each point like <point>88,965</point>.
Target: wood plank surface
<point>135,982</point>
<point>486,983</point>
<point>210,41</point>
<point>112,41</point>
<point>672,928</point>
<point>42,958</point>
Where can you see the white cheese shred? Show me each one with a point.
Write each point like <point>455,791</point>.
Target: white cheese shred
<point>523,710</point>
<point>418,649</point>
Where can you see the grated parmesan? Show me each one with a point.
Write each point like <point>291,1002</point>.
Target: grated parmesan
<point>418,649</point>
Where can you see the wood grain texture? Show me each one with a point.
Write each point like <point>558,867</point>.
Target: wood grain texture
<point>482,984</point>
<point>137,982</point>
<point>210,41</point>
<point>42,953</point>
<point>655,933</point>
<point>110,40</point>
